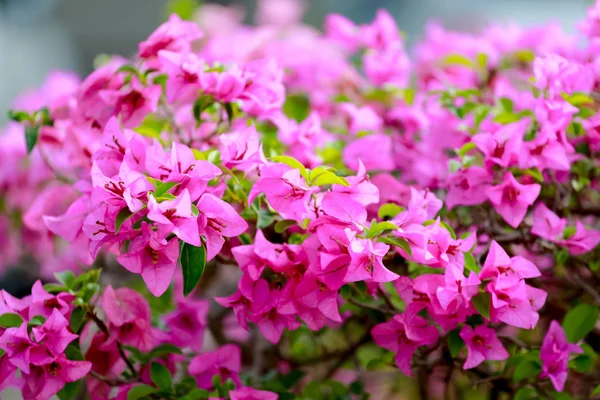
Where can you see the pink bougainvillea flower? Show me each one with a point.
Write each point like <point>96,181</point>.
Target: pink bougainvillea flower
<point>54,333</point>
<point>128,317</point>
<point>153,257</point>
<point>555,354</point>
<point>403,335</point>
<point>17,345</point>
<point>512,199</point>
<point>482,344</point>
<point>225,362</point>
<point>46,380</point>
<point>175,216</point>
<point>218,220</point>
<point>248,393</point>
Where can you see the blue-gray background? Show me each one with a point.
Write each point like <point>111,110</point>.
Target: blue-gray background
<point>39,35</point>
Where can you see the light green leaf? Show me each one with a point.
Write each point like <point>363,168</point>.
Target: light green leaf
<point>457,59</point>
<point>292,162</point>
<point>67,278</point>
<point>10,320</point>
<point>470,263</point>
<point>281,226</point>
<point>399,242</point>
<point>389,210</point>
<point>163,188</point>
<point>328,178</point>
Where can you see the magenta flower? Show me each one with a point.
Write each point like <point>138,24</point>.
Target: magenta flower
<point>467,187</point>
<point>217,220</point>
<point>175,35</point>
<point>225,362</point>
<point>512,199</point>
<point>286,191</point>
<point>54,334</point>
<point>175,216</point>
<point>367,262</point>
<point>17,345</point>
<point>402,335</point>
<point>555,354</point>
<point>46,380</point>
<point>248,393</point>
<point>134,102</point>
<point>482,344</point>
<point>128,318</point>
<point>153,257</point>
<point>187,323</point>
<point>375,152</point>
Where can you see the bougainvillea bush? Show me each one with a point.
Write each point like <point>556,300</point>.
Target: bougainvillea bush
<point>284,213</point>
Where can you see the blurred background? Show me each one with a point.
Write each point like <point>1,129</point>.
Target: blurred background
<point>37,36</point>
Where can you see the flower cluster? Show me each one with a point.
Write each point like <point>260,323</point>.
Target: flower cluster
<point>324,189</point>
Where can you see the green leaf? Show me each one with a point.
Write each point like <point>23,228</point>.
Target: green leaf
<point>140,391</point>
<point>449,229</point>
<point>292,162</point>
<point>481,302</point>
<point>73,352</point>
<point>389,211</point>
<point>264,219</point>
<point>482,61</point>
<point>31,137</point>
<point>596,391</point>
<point>578,99</point>
<point>526,369</point>
<point>403,244</point>
<point>380,227</point>
<point>471,264</point>
<point>19,116</point>
<point>198,394</point>
<point>10,320</point>
<point>526,393</point>
<point>193,261</point>
<point>467,147</point>
<point>55,288</point>
<point>454,165</point>
<point>580,321</point>
<point>121,217</point>
<point>77,319</point>
<point>296,106</point>
<point>161,376</point>
<point>281,226</point>
<point>507,104</point>
<point>67,278</point>
<point>127,68</point>
<point>535,173</point>
<point>455,343</point>
<point>457,59</point>
<point>163,188</point>
<point>91,276</point>
<point>201,104</point>
<point>569,232</point>
<point>328,178</point>
<point>561,256</point>
<point>163,350</point>
<point>70,390</point>
<point>184,8</point>
<point>36,321</point>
